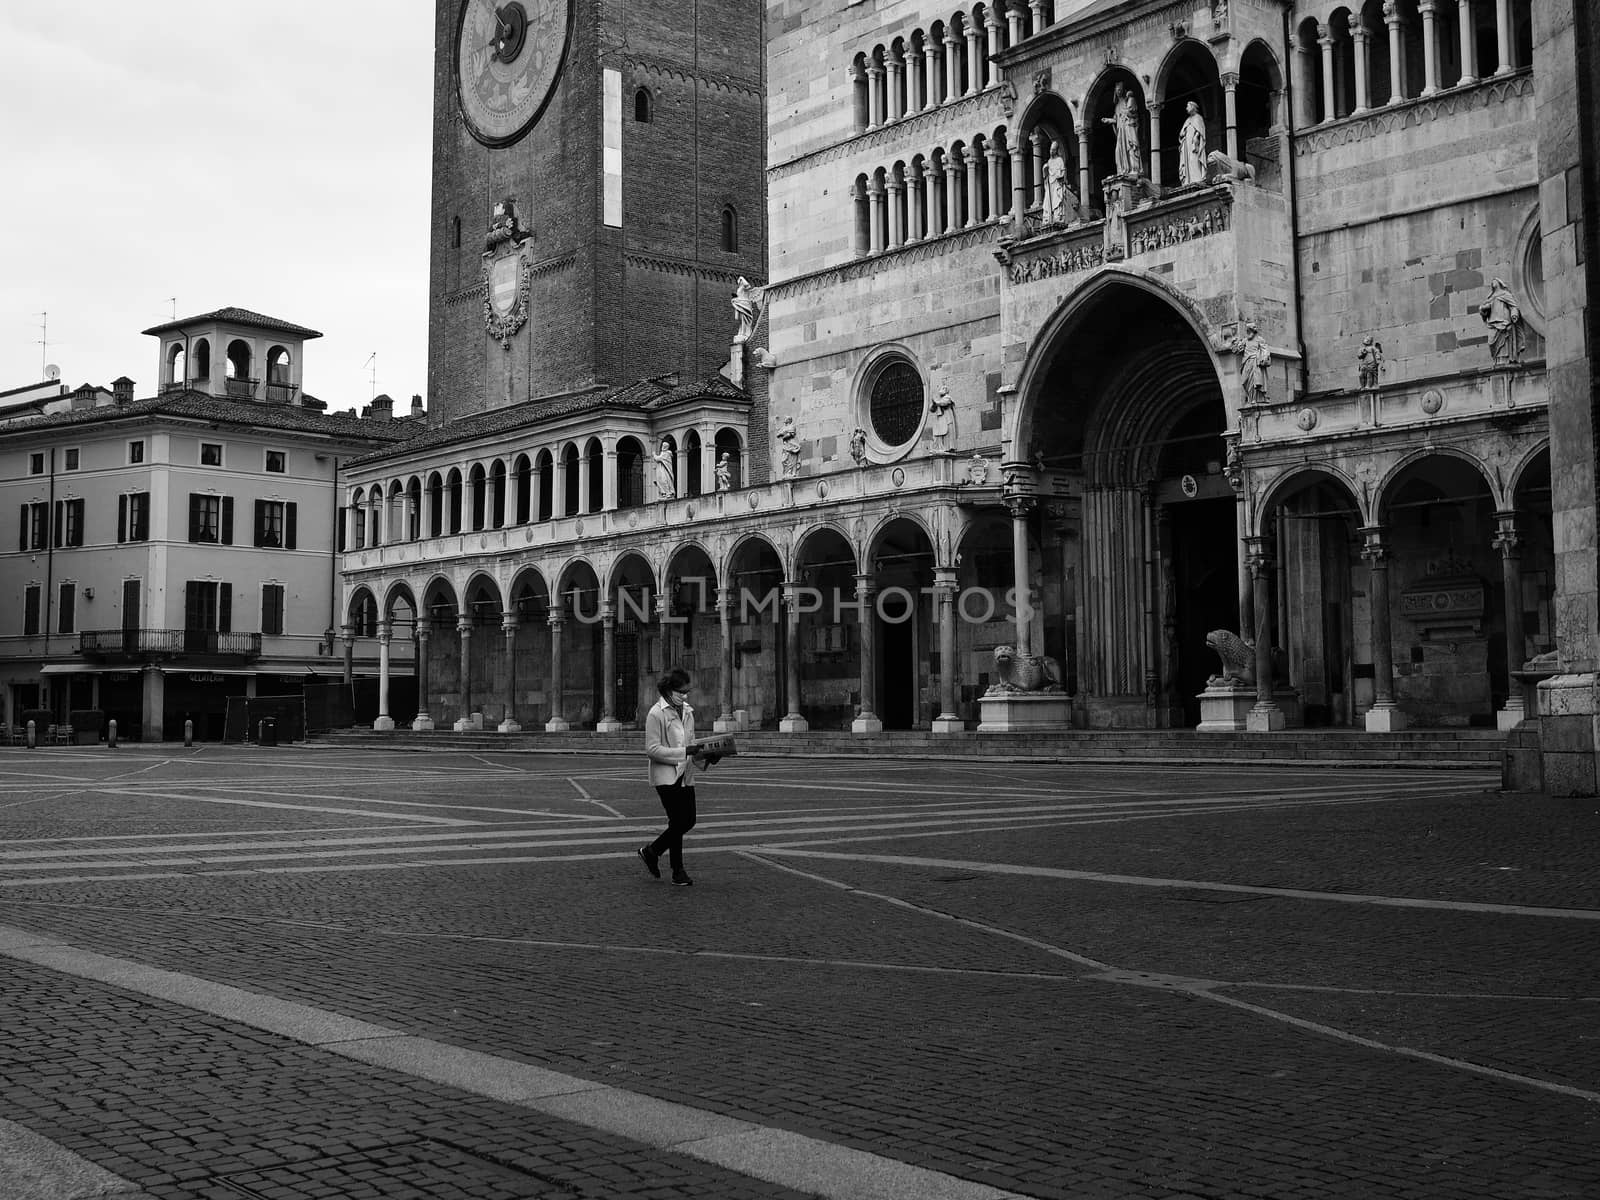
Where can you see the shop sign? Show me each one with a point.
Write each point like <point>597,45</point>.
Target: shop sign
<point>199,677</point>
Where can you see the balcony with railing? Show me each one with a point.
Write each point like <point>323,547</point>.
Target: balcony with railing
<point>242,389</point>
<point>147,645</point>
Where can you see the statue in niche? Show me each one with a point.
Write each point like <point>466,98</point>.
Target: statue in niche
<point>1508,336</point>
<point>789,441</point>
<point>746,308</point>
<point>1125,124</point>
<point>725,472</point>
<point>1369,362</point>
<point>666,472</point>
<point>1060,201</point>
<point>1255,356</point>
<point>943,423</point>
<point>1192,148</point>
<point>858,446</point>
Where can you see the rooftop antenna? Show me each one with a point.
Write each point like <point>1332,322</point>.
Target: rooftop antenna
<point>173,300</point>
<point>372,361</point>
<point>44,342</point>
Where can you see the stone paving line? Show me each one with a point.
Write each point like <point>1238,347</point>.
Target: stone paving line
<point>773,1155</point>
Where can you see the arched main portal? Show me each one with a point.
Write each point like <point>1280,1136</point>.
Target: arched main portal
<point>1139,552</point>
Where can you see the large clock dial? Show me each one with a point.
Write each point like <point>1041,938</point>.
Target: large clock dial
<point>507,58</point>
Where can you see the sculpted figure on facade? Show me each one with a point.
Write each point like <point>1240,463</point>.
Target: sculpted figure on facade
<point>789,441</point>
<point>666,472</point>
<point>1125,124</point>
<point>1060,201</point>
<point>1192,147</point>
<point>725,472</point>
<point>858,446</point>
<point>1369,362</point>
<point>1024,672</point>
<point>747,309</point>
<point>1508,336</point>
<point>943,422</point>
<point>1254,359</point>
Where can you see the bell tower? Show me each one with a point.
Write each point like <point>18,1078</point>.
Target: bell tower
<point>598,190</point>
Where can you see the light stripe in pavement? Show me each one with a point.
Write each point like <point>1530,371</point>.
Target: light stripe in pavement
<point>777,1156</point>
<point>35,1168</point>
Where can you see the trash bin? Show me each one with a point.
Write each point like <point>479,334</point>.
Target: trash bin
<point>267,732</point>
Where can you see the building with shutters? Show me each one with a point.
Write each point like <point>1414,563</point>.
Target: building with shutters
<point>172,551</point>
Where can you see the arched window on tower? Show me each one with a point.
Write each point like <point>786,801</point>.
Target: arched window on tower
<point>455,233</point>
<point>730,229</point>
<point>643,108</point>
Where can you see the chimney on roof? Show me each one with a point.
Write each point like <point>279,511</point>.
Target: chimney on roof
<point>416,405</point>
<point>122,390</point>
<point>382,408</point>
<point>83,397</point>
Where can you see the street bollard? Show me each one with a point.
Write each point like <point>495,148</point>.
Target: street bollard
<point>188,733</point>
<point>111,734</point>
<point>33,737</point>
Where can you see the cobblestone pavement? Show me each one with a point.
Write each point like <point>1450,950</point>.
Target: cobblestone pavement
<point>1087,981</point>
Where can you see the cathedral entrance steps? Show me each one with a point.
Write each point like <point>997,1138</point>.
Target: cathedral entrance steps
<point>1480,749</point>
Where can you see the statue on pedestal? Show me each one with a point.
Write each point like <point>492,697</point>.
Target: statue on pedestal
<point>747,308</point>
<point>858,446</point>
<point>1125,124</point>
<point>666,472</point>
<point>1369,362</point>
<point>1192,147</point>
<point>1508,336</point>
<point>725,472</point>
<point>1254,358</point>
<point>943,423</point>
<point>1060,201</point>
<point>789,441</point>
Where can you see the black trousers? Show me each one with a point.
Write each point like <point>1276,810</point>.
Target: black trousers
<point>678,800</point>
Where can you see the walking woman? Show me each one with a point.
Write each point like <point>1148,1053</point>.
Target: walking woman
<point>668,732</point>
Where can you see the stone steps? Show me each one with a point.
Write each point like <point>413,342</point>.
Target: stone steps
<point>1432,749</point>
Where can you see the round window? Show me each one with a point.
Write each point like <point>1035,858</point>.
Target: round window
<point>897,403</point>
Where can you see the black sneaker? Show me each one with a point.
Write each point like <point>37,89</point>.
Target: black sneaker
<point>681,879</point>
<point>649,859</point>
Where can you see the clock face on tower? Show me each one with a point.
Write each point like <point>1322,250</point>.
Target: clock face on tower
<point>507,58</point>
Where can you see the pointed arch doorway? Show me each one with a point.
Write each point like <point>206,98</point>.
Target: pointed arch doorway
<point>1122,399</point>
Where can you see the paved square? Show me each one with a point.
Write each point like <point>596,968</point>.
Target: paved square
<point>342,972</point>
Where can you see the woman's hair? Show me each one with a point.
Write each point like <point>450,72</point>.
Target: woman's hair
<point>675,680</point>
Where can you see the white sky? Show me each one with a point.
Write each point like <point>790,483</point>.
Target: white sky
<point>273,156</point>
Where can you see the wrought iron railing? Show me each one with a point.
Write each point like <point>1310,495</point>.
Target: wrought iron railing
<point>244,389</point>
<point>160,643</point>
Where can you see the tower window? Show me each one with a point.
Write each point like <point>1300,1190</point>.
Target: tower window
<point>643,110</point>
<point>730,229</point>
<point>455,233</point>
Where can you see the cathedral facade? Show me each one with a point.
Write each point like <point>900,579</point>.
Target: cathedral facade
<point>1059,364</point>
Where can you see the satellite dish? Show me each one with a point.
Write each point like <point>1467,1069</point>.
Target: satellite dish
<point>52,372</point>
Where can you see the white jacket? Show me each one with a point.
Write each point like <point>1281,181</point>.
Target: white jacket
<point>665,736</point>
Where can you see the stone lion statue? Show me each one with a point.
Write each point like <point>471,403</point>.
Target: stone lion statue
<point>1025,672</point>
<point>1238,659</point>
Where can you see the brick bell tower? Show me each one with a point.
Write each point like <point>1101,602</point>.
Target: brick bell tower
<point>598,189</point>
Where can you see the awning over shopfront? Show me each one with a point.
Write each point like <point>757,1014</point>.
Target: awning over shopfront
<point>75,669</point>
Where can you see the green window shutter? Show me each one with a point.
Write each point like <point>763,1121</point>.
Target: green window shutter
<point>122,518</point>
<point>227,520</point>
<point>224,608</point>
<point>288,525</point>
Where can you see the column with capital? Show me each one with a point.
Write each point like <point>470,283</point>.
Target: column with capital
<point>1325,40</point>
<point>875,222</point>
<point>917,228</point>
<point>995,27</point>
<point>1509,543</point>
<point>952,195</point>
<point>1083,169</point>
<point>944,589</point>
<point>725,722</point>
<point>952,68</point>
<point>464,631</point>
<point>423,719</point>
<point>1361,41</point>
<point>973,164</point>
<point>1266,716</point>
<point>584,467</point>
<point>897,234</point>
<point>997,204</point>
<point>1397,51</point>
<point>931,55</point>
<point>866,720</point>
<point>385,722</point>
<point>609,481</point>
<point>1036,8</point>
<point>894,82</point>
<point>1014,17</point>
<point>557,723</point>
<point>930,202</point>
<point>1430,47</point>
<point>1040,150</point>
<point>608,722</point>
<point>875,95</point>
<point>1467,27</point>
<point>916,88</point>
<point>1019,182</point>
<point>1230,111</point>
<point>792,722</point>
<point>508,724</point>
<point>1384,716</point>
<point>1020,507</point>
<point>974,59</point>
<point>1502,33</point>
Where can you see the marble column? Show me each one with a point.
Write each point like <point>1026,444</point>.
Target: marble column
<point>609,482</point>
<point>916,88</point>
<point>944,588</point>
<point>1266,716</point>
<point>1509,543</point>
<point>584,468</point>
<point>897,234</point>
<point>930,61</point>
<point>1019,508</point>
<point>1083,168</point>
<point>952,195</point>
<point>894,81</point>
<point>974,60</point>
<point>792,722</point>
<point>1430,48</point>
<point>1014,20</point>
<point>973,169</point>
<point>1502,33</point>
<point>508,723</point>
<point>423,719</point>
<point>1397,52</point>
<point>1466,26</point>
<point>930,202</point>
<point>1040,150</point>
<point>866,622</point>
<point>464,631</point>
<point>1036,7</point>
<point>1325,40</point>
<point>875,223</point>
<point>1361,43</point>
<point>1385,715</point>
<point>1230,112</point>
<point>608,722</point>
<point>952,68</point>
<point>1153,169</point>
<point>995,28</point>
<point>996,204</point>
<point>1019,182</point>
<point>557,723</point>
<point>875,96</point>
<point>914,214</point>
<point>725,722</point>
<point>384,722</point>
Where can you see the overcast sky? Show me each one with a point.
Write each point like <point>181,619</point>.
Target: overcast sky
<point>271,156</point>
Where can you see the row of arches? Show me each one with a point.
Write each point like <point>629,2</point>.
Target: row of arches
<point>189,365</point>
<point>600,475</point>
<point>1388,51</point>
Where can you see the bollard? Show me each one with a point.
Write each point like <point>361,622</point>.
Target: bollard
<point>33,736</point>
<point>188,733</point>
<point>111,734</point>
